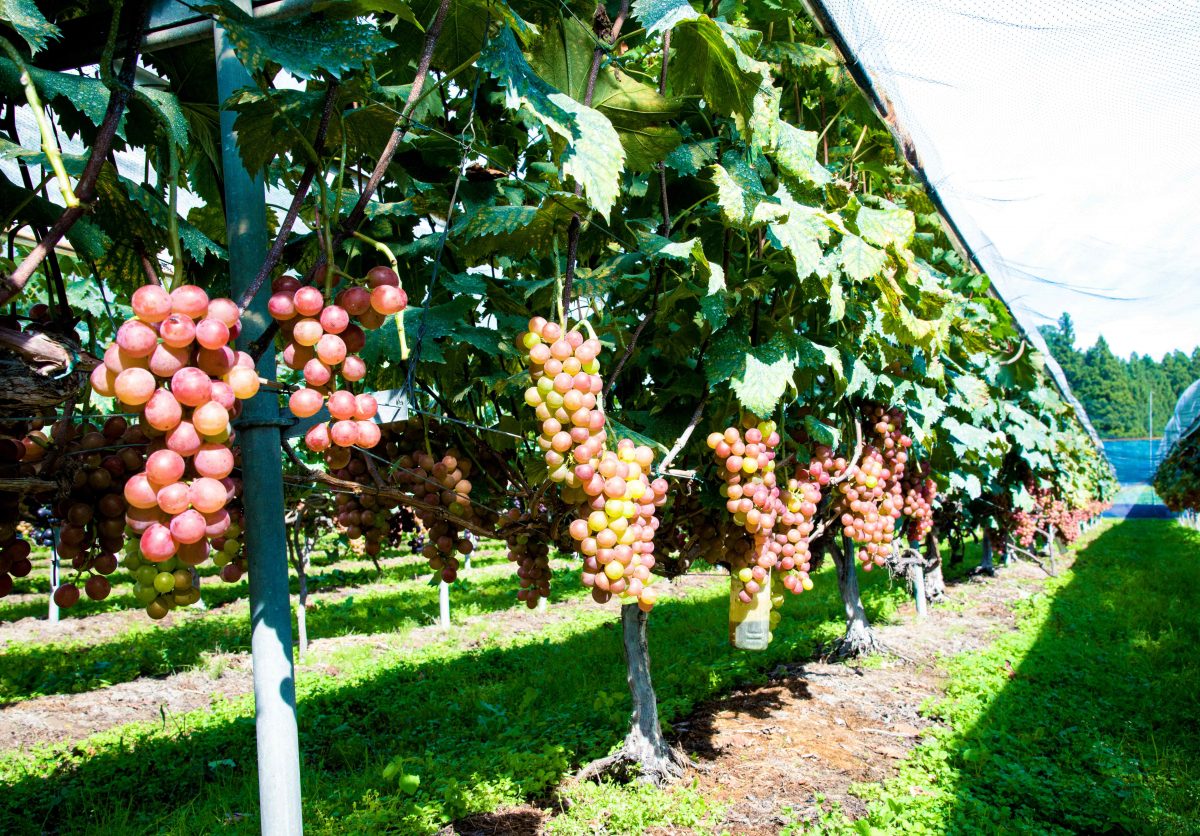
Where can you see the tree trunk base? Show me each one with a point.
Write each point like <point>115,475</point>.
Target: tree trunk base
<point>638,760</point>
<point>860,640</point>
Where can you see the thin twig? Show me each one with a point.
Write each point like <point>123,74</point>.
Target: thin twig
<point>148,267</point>
<point>598,22</point>
<point>682,441</point>
<point>858,448</point>
<point>85,188</point>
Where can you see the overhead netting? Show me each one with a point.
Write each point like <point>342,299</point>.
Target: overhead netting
<point>1061,137</point>
<point>1184,421</point>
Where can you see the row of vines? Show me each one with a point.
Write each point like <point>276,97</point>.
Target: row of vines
<point>652,284</point>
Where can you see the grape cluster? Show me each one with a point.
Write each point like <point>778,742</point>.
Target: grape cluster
<point>362,517</point>
<point>1050,510</point>
<point>919,493</point>
<point>565,373</point>
<point>323,341</point>
<point>532,556</point>
<point>799,501</point>
<point>172,365</point>
<point>871,499</point>
<point>14,556</point>
<point>615,529</point>
<point>93,465</point>
<point>444,483</point>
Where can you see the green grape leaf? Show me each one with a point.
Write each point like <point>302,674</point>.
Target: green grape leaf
<point>29,22</point>
<point>799,55</point>
<point>859,259</point>
<point>821,432</point>
<point>711,64</point>
<point>796,154</point>
<point>88,96</point>
<point>662,15</point>
<point>362,8</point>
<point>740,193</point>
<point>886,227</point>
<point>594,155</point>
<point>303,46</point>
<point>690,157</point>
<point>166,108</point>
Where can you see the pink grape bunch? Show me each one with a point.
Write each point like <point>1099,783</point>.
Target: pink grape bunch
<point>616,526</point>
<point>322,341</point>
<point>565,371</point>
<point>871,501</point>
<point>746,464</point>
<point>173,366</point>
<point>799,503</point>
<point>919,493</point>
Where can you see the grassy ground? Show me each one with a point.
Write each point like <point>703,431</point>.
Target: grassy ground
<point>1084,720</point>
<point>404,741</point>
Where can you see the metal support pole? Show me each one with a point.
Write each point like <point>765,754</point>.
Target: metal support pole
<point>52,615</point>
<point>262,487</point>
<point>916,574</point>
<point>444,604</point>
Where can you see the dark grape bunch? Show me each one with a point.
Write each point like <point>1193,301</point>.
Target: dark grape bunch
<point>365,519</point>
<point>532,556</point>
<point>92,465</point>
<point>322,340</point>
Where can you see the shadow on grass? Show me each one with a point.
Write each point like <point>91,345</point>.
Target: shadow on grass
<point>478,728</point>
<point>1085,719</point>
<point>147,650</point>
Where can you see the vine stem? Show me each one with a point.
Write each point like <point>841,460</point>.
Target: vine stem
<point>391,258</point>
<point>385,159</point>
<point>293,212</point>
<point>49,140</point>
<point>682,441</point>
<point>576,226</point>
<point>85,189</point>
<point>173,217</point>
<point>858,448</point>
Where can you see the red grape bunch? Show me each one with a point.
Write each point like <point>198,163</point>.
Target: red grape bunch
<point>799,502</point>
<point>919,493</point>
<point>746,463</point>
<point>567,384</point>
<point>615,529</point>
<point>323,341</point>
<point>361,517</point>
<point>172,365</point>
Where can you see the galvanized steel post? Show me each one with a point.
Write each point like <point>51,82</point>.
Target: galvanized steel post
<point>262,487</point>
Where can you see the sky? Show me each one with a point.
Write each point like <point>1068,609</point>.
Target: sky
<point>1063,139</point>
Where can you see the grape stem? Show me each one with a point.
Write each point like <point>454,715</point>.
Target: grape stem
<point>49,142</point>
<point>293,212</point>
<point>682,441</point>
<point>858,448</point>
<point>609,34</point>
<point>85,188</point>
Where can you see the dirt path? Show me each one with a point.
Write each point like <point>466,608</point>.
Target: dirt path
<point>822,727</point>
<point>66,718</point>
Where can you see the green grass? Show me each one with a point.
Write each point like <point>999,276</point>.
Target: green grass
<point>34,670</point>
<point>478,726</point>
<point>1096,731</point>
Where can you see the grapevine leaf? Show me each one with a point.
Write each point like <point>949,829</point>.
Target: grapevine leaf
<point>303,46</point>
<point>968,484</point>
<point>712,65</point>
<point>192,239</point>
<point>886,226</point>
<point>767,375</point>
<point>84,95</point>
<point>796,153</point>
<point>662,15</point>
<point>621,431</point>
<point>167,110</point>
<point>799,55</point>
<point>802,233</point>
<point>859,259</point>
<point>690,157</point>
<point>837,300</point>
<point>821,432</point>
<point>740,194</point>
<point>362,8</point>
<point>594,155</point>
<point>25,17</point>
